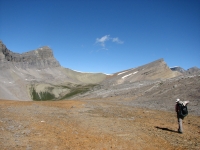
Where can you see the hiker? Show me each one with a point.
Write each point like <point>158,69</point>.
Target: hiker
<point>181,109</point>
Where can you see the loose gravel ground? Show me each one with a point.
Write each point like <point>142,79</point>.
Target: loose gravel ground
<point>100,124</point>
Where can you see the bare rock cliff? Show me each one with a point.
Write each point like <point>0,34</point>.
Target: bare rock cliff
<point>37,75</point>
<point>40,58</point>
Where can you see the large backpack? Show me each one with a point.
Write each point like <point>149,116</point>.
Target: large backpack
<point>183,111</point>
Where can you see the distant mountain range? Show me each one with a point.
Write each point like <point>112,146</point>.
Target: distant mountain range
<point>190,71</point>
<point>37,75</point>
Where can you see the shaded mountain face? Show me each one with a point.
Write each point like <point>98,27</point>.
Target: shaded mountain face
<point>179,69</point>
<point>40,58</point>
<point>190,71</point>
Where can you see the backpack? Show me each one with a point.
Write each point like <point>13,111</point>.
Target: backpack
<point>183,111</point>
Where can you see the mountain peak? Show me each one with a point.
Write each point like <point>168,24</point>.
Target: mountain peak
<point>177,68</point>
<point>39,58</point>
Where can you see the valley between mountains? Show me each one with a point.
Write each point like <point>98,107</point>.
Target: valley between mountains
<point>46,106</point>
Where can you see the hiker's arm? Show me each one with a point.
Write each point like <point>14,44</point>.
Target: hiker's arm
<point>176,108</point>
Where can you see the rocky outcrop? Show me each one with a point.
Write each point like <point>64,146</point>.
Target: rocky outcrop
<point>190,71</point>
<point>156,70</point>
<point>40,58</point>
<point>179,69</point>
<point>193,71</point>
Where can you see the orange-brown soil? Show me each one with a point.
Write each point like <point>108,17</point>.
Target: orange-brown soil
<point>92,124</point>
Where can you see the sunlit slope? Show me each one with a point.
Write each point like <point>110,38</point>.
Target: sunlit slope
<point>18,83</point>
<point>156,70</point>
<point>91,78</point>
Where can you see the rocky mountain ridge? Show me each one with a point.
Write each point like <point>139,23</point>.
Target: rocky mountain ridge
<point>179,69</point>
<point>190,71</point>
<point>37,75</point>
<point>38,71</point>
<point>40,58</point>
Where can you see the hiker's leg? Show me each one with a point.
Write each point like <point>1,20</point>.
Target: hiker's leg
<point>178,122</point>
<point>180,127</point>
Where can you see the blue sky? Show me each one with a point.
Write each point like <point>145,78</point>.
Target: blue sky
<point>105,35</point>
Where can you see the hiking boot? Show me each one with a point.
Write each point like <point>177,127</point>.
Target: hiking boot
<point>180,132</point>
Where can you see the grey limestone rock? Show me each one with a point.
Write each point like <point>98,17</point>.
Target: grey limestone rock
<point>193,71</point>
<point>179,69</point>
<point>40,58</point>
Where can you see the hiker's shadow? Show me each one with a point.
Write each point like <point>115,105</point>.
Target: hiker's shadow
<point>166,129</point>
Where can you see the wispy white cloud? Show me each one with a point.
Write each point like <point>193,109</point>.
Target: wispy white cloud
<point>117,40</point>
<point>102,40</point>
<point>106,38</point>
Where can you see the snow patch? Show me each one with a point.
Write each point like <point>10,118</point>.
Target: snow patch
<point>126,76</point>
<point>135,72</point>
<point>121,72</point>
<point>129,74</point>
<point>174,67</point>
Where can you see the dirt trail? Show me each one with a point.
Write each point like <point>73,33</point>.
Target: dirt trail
<point>92,124</point>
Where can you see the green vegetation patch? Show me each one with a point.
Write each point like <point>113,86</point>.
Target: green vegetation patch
<point>48,95</point>
<point>79,89</point>
<point>41,96</point>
